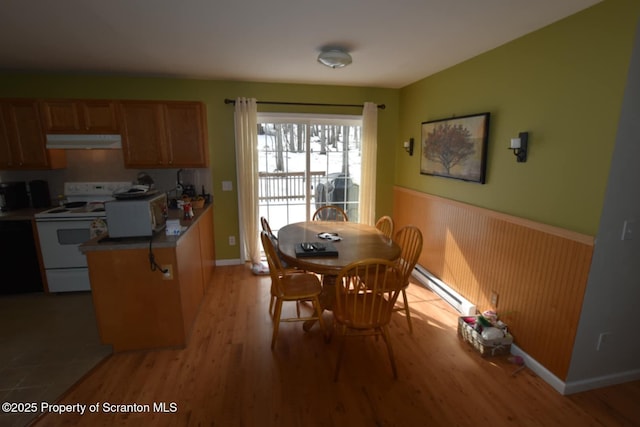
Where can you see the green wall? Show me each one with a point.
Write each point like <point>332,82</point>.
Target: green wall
<point>564,85</point>
<point>220,121</point>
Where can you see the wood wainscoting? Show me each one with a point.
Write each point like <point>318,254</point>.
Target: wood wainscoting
<point>538,271</point>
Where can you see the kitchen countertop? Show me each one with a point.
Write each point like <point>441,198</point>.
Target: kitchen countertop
<point>21,214</point>
<point>160,240</point>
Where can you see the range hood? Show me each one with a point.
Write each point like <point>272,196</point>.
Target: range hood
<point>73,141</point>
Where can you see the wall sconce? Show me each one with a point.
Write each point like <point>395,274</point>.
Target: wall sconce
<point>519,146</point>
<point>408,146</point>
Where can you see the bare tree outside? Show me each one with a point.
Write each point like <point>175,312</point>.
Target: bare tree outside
<point>345,150</point>
<point>279,148</point>
<point>300,141</point>
<point>323,139</point>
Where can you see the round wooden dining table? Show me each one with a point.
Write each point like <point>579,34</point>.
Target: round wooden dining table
<point>357,242</point>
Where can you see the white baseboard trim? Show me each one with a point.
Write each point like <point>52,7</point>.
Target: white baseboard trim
<point>531,363</point>
<point>572,387</point>
<point>602,381</point>
<point>236,261</point>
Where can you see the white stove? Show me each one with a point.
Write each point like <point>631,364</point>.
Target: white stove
<point>83,199</point>
<point>63,229</point>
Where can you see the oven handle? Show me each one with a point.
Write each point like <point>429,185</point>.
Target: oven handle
<point>68,219</point>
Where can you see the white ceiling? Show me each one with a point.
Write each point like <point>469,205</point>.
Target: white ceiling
<point>393,43</point>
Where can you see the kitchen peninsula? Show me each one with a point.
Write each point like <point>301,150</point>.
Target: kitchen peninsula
<point>140,307</point>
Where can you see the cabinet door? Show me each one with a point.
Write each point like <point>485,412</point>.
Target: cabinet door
<point>80,116</point>
<point>142,134</point>
<point>26,139</point>
<point>187,144</point>
<point>100,116</point>
<point>61,116</point>
<point>29,133</point>
<point>6,147</point>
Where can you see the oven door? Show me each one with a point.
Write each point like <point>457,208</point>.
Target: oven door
<point>60,239</point>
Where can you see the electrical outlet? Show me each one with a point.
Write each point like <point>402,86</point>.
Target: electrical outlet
<point>232,240</point>
<point>494,299</point>
<point>169,272</point>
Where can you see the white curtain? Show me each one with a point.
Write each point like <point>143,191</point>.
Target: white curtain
<point>369,155</point>
<point>246,127</point>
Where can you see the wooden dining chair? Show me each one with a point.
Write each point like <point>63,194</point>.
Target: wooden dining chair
<point>409,238</point>
<point>267,228</point>
<point>330,213</point>
<point>385,225</point>
<point>264,223</point>
<point>366,292</point>
<point>291,286</point>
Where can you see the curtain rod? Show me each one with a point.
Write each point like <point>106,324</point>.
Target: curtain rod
<point>232,101</point>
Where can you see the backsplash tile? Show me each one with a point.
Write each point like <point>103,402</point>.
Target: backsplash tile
<point>107,165</point>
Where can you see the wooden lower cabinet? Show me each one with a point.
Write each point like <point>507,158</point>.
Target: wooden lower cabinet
<point>137,308</point>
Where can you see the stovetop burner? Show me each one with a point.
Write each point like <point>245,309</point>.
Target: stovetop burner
<point>72,205</point>
<point>84,200</point>
<point>84,210</point>
<point>57,210</point>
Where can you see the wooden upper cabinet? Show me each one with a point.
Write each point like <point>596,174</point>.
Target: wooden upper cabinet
<point>142,134</point>
<point>186,130</point>
<point>6,143</point>
<point>164,134</point>
<point>22,142</point>
<point>80,116</point>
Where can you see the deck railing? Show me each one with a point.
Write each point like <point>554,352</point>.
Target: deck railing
<point>286,186</point>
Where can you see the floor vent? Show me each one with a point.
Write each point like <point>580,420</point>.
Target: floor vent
<point>456,300</point>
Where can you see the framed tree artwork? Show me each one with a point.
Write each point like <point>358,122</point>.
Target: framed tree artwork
<point>456,147</point>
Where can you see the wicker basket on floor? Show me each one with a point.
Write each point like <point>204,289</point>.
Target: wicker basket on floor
<point>486,347</point>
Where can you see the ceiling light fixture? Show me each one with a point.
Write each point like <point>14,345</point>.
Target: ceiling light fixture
<point>334,58</point>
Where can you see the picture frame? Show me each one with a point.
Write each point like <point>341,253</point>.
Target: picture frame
<point>456,147</point>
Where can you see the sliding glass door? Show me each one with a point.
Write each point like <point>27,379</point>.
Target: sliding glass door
<point>306,162</point>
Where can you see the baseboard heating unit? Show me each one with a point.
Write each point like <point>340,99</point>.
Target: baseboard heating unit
<point>456,300</point>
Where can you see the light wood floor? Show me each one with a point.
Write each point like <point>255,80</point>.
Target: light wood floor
<point>228,376</point>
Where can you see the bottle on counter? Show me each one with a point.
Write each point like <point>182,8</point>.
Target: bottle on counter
<point>188,210</point>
